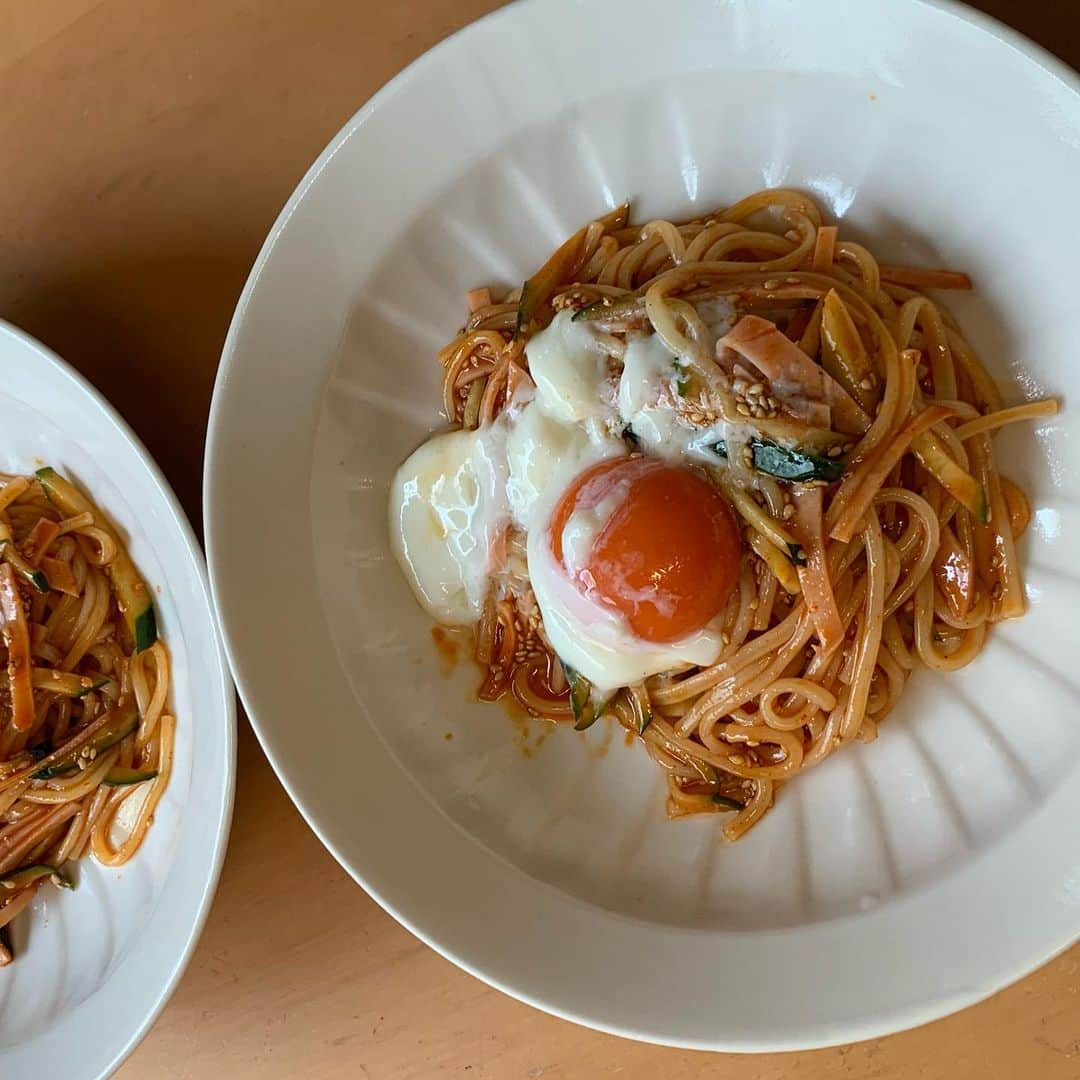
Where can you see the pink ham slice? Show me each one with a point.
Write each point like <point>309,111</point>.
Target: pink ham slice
<point>804,388</point>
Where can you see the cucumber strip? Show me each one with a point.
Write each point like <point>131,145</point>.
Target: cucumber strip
<point>27,875</point>
<point>98,684</point>
<point>133,595</point>
<point>783,569</point>
<point>702,768</point>
<point>763,523</point>
<point>31,575</point>
<point>590,311</point>
<point>65,682</point>
<point>561,268</point>
<point>843,354</point>
<point>605,309</point>
<point>58,575</point>
<point>642,713</point>
<point>120,777</point>
<point>124,719</point>
<point>586,711</point>
<point>726,803</point>
<point>470,416</point>
<point>961,485</point>
<point>786,431</point>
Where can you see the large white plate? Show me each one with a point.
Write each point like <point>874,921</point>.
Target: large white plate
<point>900,881</point>
<point>94,967</point>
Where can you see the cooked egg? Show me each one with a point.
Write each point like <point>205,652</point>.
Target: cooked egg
<point>544,455</point>
<point>650,375</point>
<point>649,371</point>
<point>718,315</point>
<point>637,561</point>
<point>453,497</point>
<point>595,640</point>
<point>569,366</point>
<point>448,503</point>
<point>631,558</point>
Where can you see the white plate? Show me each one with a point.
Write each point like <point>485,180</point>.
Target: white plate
<point>94,967</point>
<point>900,881</point>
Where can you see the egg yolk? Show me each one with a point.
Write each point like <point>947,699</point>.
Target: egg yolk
<point>667,557</point>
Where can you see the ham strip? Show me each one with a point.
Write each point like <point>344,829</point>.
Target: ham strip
<point>802,386</point>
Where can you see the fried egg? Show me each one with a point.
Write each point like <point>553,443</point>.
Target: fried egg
<point>629,573</point>
<point>631,570</point>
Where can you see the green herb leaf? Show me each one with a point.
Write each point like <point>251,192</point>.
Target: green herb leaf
<point>787,464</point>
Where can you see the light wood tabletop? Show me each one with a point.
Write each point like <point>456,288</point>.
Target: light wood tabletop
<point>147,147</point>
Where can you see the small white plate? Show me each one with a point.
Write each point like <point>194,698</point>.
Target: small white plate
<point>900,881</point>
<point>94,967</point>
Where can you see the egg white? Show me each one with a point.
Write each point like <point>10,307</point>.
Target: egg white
<point>447,504</point>
<point>569,368</point>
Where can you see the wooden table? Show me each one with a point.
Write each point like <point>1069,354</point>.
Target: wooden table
<point>147,147</point>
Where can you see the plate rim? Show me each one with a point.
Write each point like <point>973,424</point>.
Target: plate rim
<point>931,1007</point>
<point>223,824</point>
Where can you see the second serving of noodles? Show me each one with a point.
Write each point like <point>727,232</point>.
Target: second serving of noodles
<point>86,735</point>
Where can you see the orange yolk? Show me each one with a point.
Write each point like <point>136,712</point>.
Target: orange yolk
<point>667,557</point>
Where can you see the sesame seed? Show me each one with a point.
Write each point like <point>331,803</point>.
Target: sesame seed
<point>754,604</point>
<point>748,457</point>
<point>756,390</point>
<point>866,384</point>
<point>725,637</point>
<point>739,386</point>
<point>773,403</point>
<point>834,451</point>
<point>742,409</point>
<point>788,512</point>
<point>737,759</point>
<point>757,411</point>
